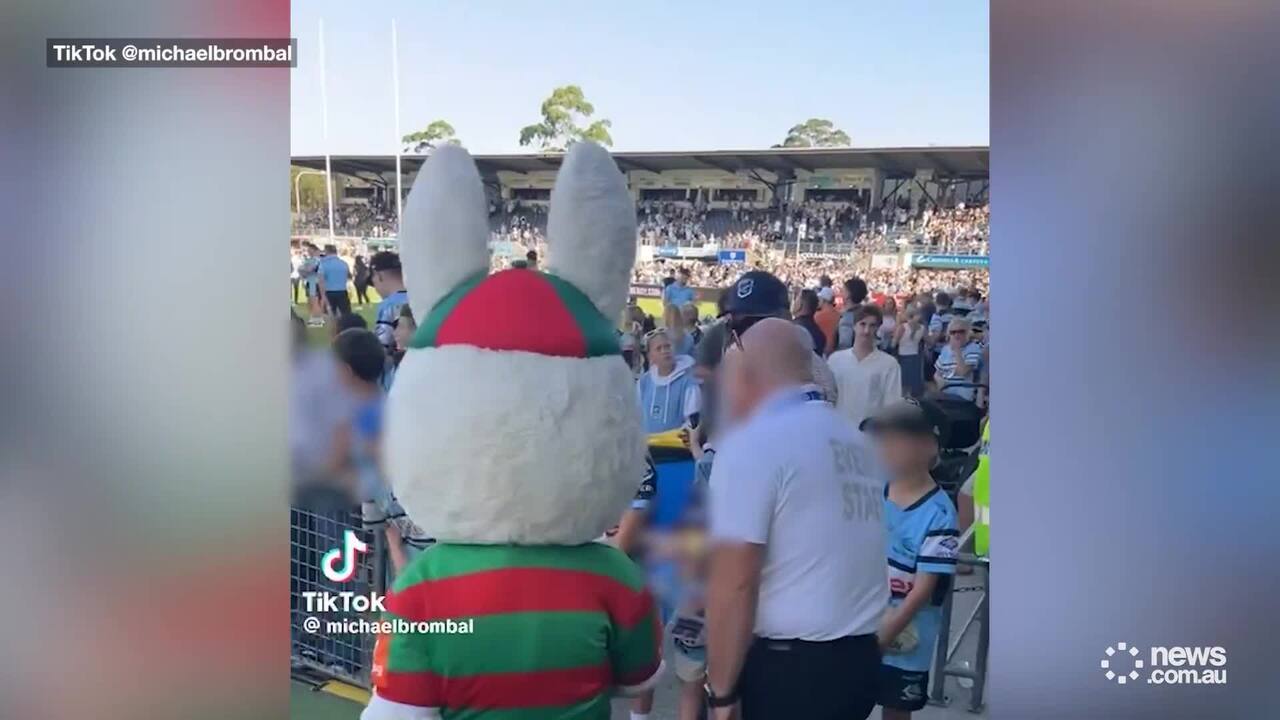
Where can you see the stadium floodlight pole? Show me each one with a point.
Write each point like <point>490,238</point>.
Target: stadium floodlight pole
<point>324,124</point>
<point>395,91</point>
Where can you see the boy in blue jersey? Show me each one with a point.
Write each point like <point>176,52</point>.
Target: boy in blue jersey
<point>922,542</point>
<point>389,283</point>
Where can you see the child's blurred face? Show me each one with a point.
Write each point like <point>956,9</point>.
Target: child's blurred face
<point>905,453</point>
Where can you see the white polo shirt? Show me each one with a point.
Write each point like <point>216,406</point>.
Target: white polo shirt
<point>864,386</point>
<point>801,480</point>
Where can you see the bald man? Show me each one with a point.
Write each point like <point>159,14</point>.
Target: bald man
<point>798,582</point>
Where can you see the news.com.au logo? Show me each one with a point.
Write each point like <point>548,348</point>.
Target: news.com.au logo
<point>1123,662</point>
<point>340,563</point>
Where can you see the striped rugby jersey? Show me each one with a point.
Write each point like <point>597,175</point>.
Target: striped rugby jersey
<point>921,538</point>
<point>555,630</point>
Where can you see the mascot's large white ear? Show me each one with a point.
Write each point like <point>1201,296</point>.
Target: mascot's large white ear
<point>591,228</point>
<point>444,236</point>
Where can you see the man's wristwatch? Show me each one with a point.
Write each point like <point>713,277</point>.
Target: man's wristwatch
<point>718,701</point>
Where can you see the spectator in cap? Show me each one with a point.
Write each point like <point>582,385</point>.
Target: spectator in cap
<point>867,378</point>
<point>531,259</point>
<point>827,317</point>
<point>388,280</point>
<point>758,295</point>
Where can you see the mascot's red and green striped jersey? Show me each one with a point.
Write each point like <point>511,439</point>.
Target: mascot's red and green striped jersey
<point>554,630</point>
<point>512,436</point>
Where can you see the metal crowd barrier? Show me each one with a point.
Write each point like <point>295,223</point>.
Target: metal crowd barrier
<point>312,533</point>
<point>944,664</point>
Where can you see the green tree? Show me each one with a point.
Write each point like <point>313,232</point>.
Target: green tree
<point>563,115</point>
<point>816,132</point>
<point>437,132</point>
<point>310,188</point>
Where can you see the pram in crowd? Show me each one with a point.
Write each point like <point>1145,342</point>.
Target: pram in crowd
<point>959,453</point>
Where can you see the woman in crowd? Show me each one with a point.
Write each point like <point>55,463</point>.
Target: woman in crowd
<point>908,337</point>
<point>689,313</point>
<point>887,339</point>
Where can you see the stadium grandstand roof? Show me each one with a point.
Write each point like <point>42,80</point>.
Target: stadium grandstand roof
<point>962,163</point>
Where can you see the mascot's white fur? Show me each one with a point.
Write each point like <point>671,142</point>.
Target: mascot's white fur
<point>509,447</point>
<point>512,437</point>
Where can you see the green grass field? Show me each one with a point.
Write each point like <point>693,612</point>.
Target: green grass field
<point>653,306</point>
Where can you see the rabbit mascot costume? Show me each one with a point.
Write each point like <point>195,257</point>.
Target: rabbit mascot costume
<point>512,436</point>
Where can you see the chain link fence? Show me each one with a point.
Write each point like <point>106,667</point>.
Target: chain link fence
<point>312,533</point>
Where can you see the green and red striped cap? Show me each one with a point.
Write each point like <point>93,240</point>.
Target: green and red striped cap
<point>520,310</point>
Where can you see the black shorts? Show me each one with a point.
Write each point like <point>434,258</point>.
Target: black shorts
<point>339,302</point>
<point>905,690</point>
<point>833,680</point>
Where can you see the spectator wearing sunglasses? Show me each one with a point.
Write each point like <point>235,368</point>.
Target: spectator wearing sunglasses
<point>668,391</point>
<point>959,361</point>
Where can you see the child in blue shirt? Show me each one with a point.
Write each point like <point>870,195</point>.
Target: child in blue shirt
<point>361,361</point>
<point>922,541</point>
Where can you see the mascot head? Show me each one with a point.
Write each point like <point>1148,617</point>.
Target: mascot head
<point>512,419</point>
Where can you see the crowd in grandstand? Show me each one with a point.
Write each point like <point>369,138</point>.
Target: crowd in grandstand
<point>351,219</point>
<point>736,224</point>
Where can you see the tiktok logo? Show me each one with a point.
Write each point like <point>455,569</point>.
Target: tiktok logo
<point>346,555</point>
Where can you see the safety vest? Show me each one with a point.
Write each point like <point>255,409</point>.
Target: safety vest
<point>982,496</point>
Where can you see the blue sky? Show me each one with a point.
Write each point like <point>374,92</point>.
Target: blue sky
<point>692,75</point>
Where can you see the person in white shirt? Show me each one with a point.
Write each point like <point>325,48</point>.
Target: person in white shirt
<point>867,378</point>
<point>797,584</point>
